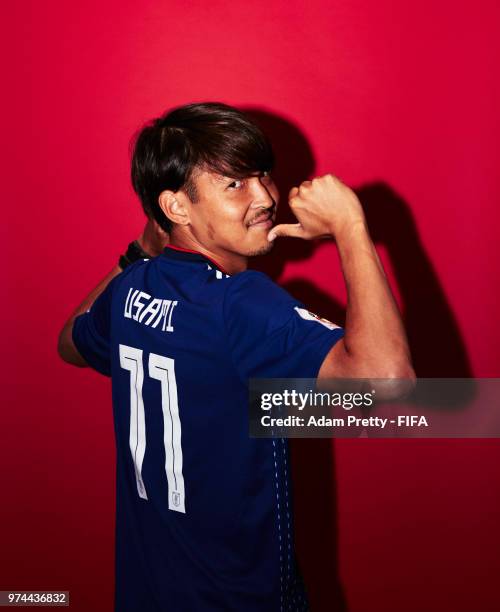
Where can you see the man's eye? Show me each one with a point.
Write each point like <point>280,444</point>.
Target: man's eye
<point>236,184</point>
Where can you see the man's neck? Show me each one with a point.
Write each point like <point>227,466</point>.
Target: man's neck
<point>231,263</point>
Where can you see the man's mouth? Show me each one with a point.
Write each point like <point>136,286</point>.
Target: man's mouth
<point>264,221</point>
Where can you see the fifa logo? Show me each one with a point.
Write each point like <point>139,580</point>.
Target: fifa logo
<point>176,498</point>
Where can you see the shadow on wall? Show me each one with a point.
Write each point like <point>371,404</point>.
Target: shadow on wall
<point>436,344</point>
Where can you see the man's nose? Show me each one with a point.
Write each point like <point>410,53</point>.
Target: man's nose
<point>261,197</point>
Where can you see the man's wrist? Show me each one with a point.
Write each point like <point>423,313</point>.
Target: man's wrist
<point>353,231</point>
<point>133,253</point>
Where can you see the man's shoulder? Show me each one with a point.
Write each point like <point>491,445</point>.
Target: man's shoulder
<point>253,294</point>
<point>254,284</point>
<point>251,279</point>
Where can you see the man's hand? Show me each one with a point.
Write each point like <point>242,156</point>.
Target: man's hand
<point>324,206</point>
<point>153,239</point>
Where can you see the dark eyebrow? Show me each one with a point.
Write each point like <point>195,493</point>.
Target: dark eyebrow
<point>230,179</point>
<point>223,178</point>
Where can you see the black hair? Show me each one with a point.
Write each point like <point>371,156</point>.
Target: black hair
<point>211,136</point>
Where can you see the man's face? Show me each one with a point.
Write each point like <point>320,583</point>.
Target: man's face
<point>234,216</point>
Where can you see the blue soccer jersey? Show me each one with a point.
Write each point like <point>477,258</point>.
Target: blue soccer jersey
<point>203,511</point>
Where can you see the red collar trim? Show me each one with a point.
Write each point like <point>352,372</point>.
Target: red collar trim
<point>183,250</point>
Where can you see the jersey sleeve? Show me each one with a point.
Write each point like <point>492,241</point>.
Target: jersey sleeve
<point>92,332</point>
<point>270,333</point>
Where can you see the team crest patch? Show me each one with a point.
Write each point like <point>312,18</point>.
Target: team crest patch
<point>310,316</point>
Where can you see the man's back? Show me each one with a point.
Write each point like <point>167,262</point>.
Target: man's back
<point>204,516</point>
<point>204,513</point>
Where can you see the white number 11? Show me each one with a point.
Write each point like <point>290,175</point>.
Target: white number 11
<point>162,369</point>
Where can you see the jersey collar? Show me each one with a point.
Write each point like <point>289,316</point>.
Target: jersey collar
<point>181,254</point>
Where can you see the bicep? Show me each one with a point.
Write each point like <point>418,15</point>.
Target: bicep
<point>337,363</point>
<point>338,366</point>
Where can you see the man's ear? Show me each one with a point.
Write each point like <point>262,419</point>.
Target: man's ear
<point>174,206</point>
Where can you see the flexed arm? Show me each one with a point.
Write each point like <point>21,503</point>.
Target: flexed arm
<point>152,240</point>
<point>375,344</point>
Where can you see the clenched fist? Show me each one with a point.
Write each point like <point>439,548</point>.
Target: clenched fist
<point>324,206</point>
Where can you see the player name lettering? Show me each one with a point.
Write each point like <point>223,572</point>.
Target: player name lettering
<point>148,310</point>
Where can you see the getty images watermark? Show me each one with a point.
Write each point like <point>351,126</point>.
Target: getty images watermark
<point>444,408</point>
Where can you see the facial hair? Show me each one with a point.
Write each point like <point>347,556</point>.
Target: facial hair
<point>263,250</point>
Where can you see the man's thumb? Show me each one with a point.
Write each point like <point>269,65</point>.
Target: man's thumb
<point>286,229</point>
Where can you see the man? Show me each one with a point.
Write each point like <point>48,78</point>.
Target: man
<point>204,513</point>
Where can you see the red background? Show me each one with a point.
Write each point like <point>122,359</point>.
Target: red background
<point>401,102</point>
